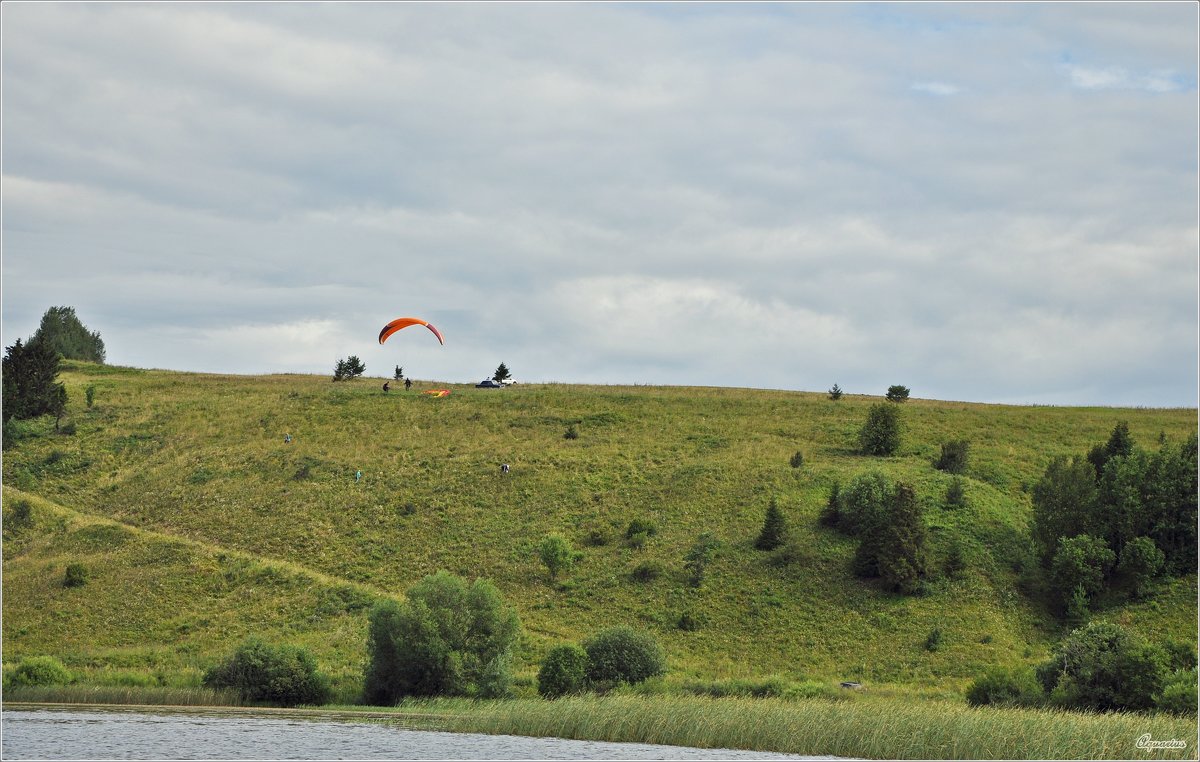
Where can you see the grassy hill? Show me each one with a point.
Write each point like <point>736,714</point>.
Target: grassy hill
<point>200,525</point>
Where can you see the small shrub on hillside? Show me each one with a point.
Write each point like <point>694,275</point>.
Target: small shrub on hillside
<point>69,429</point>
<point>21,516</point>
<point>835,393</point>
<point>283,675</point>
<point>1103,667</point>
<point>880,434</point>
<point>563,671</point>
<point>933,641</point>
<point>955,494</point>
<point>640,526</point>
<point>690,622</point>
<point>1180,655</point>
<point>774,529</point>
<point>39,670</point>
<point>698,557</point>
<point>788,555</point>
<point>897,393</point>
<point>831,513</point>
<point>646,571</point>
<point>797,459</point>
<point>90,394</point>
<point>596,538</point>
<point>571,432</point>
<point>1005,687</point>
<point>1179,694</point>
<point>953,459</point>
<point>623,655</point>
<point>408,509</point>
<point>557,554</point>
<point>76,576</point>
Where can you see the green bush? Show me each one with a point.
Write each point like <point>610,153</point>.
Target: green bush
<point>39,670</point>
<point>76,576</point>
<point>955,494</point>
<point>1103,667</point>
<point>1179,694</point>
<point>90,394</point>
<point>933,641</point>
<point>1079,571</point>
<point>647,571</point>
<point>557,554</point>
<point>953,459</point>
<point>21,516</point>
<point>640,526</point>
<point>563,672</point>
<point>1140,562</point>
<point>835,393</point>
<point>698,557</point>
<point>797,459</point>
<point>880,434</point>
<point>571,432</point>
<point>774,529</point>
<point>622,654</point>
<point>283,675</point>
<point>1003,687</point>
<point>446,639</point>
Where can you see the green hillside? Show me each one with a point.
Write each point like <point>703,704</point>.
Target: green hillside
<point>199,525</point>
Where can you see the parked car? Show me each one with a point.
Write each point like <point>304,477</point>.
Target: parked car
<point>489,383</point>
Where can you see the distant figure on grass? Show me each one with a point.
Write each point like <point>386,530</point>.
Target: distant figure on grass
<point>504,468</point>
<point>357,477</point>
<point>287,438</point>
<point>407,384</point>
<point>385,386</point>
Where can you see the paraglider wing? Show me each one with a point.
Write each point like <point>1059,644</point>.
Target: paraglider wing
<point>405,322</point>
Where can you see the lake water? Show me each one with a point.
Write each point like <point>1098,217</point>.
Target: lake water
<point>69,734</point>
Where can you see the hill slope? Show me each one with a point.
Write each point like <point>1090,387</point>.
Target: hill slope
<point>200,525</point>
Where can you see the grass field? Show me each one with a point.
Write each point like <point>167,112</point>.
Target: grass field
<point>200,526</point>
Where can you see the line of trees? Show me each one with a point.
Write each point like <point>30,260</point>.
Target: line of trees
<point>1112,520</point>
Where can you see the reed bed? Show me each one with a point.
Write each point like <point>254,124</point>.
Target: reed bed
<point>119,694</point>
<point>865,729</point>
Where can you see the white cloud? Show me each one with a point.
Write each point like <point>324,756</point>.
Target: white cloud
<point>1119,78</point>
<point>937,88</point>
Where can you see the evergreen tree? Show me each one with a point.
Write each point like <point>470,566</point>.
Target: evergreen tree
<point>30,389</point>
<point>62,331</point>
<point>774,530</point>
<point>880,435</point>
<point>501,373</point>
<point>900,554</point>
<point>897,393</point>
<point>698,558</point>
<point>835,393</point>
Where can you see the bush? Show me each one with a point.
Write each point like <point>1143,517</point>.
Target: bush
<point>933,641</point>
<point>563,672</point>
<point>640,526</point>
<point>953,459</point>
<point>446,639</point>
<point>647,571</point>
<point>880,435</point>
<point>76,576</point>
<point>835,393</point>
<point>571,432</point>
<point>797,459</point>
<point>622,654</point>
<point>897,393</point>
<point>955,494</point>
<point>39,670</point>
<point>557,554</point>
<point>21,516</point>
<point>689,622</point>
<point>774,530</point>
<point>698,557</point>
<point>1003,687</point>
<point>90,394</point>
<point>831,514</point>
<point>282,675</point>
<point>862,506</point>
<point>1179,694</point>
<point>1103,667</point>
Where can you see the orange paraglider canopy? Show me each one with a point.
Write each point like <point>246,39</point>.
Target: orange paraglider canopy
<point>437,392</point>
<point>405,322</point>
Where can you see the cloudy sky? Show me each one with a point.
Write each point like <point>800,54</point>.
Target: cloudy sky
<point>993,203</point>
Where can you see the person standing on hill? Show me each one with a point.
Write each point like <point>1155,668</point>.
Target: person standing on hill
<point>407,384</point>
<point>385,386</point>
